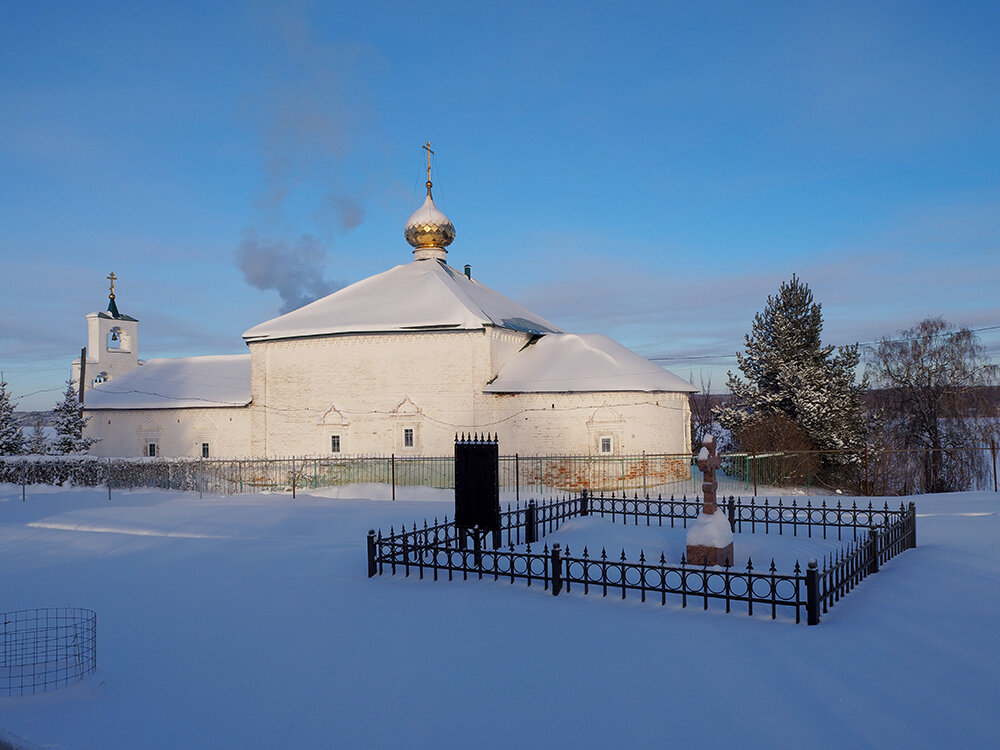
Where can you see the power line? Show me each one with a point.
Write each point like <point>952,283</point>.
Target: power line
<point>861,344</point>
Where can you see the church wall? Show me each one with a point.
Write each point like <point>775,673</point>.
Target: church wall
<point>368,389</point>
<point>575,423</point>
<point>176,432</point>
<point>504,344</point>
<point>606,425</point>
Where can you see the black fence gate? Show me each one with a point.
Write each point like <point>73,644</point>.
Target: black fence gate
<point>477,483</point>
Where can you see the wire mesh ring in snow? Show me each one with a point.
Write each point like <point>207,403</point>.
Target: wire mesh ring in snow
<point>43,649</point>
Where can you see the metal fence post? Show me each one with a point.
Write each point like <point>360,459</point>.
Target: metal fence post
<point>530,529</point>
<point>732,514</point>
<point>477,550</point>
<point>873,549</point>
<point>913,524</point>
<point>517,478</point>
<point>868,491</point>
<point>372,570</point>
<point>556,569</point>
<point>392,460</point>
<point>993,449</point>
<point>644,490</point>
<point>812,593</point>
<point>584,503</point>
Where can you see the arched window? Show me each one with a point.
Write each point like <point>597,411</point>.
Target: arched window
<point>115,338</point>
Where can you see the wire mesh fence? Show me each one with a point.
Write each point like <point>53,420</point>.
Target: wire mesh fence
<point>43,649</point>
<point>865,471</point>
<point>646,473</point>
<point>869,470</point>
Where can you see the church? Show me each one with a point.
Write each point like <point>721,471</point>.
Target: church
<point>398,363</point>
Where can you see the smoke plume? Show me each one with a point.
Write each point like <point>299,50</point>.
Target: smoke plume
<point>292,269</point>
<point>312,115</point>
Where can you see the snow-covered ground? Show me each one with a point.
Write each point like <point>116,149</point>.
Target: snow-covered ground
<point>249,622</point>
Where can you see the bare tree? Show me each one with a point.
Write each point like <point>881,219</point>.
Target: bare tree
<point>702,417</point>
<point>935,377</point>
<point>776,433</point>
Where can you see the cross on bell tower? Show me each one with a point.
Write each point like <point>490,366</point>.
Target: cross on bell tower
<point>112,343</point>
<point>112,305</point>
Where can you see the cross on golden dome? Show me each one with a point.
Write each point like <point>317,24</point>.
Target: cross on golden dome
<point>112,278</point>
<point>427,147</point>
<point>428,231</point>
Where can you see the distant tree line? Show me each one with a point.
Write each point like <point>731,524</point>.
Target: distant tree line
<point>913,420</point>
<point>67,418</point>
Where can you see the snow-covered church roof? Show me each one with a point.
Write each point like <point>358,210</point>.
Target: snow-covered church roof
<point>176,384</point>
<point>578,363</point>
<point>422,295</point>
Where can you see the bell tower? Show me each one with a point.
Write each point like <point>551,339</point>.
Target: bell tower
<point>112,343</point>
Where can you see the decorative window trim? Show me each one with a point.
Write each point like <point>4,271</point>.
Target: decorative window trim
<point>336,444</point>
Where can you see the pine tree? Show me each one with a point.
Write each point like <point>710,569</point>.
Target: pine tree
<point>38,444</point>
<point>11,437</point>
<point>70,423</point>
<point>790,374</point>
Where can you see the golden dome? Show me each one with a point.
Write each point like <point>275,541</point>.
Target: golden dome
<point>428,227</point>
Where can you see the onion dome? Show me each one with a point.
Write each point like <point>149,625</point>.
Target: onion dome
<point>429,231</point>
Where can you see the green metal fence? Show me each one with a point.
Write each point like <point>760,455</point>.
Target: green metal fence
<point>858,472</point>
<point>641,474</point>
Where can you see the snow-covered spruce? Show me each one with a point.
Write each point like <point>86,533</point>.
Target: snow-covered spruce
<point>38,444</point>
<point>790,374</point>
<point>11,437</point>
<point>70,423</point>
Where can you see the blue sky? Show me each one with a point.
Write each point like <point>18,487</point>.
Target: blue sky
<point>651,171</point>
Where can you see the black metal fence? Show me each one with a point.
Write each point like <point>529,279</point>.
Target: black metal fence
<point>43,649</point>
<point>440,548</point>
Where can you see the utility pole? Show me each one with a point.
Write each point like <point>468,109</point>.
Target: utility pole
<point>83,371</point>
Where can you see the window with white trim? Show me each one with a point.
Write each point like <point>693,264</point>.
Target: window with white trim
<point>204,450</point>
<point>407,437</point>
<point>151,449</point>
<point>607,444</point>
<point>335,443</point>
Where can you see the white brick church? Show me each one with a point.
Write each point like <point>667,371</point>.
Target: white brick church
<point>397,363</point>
